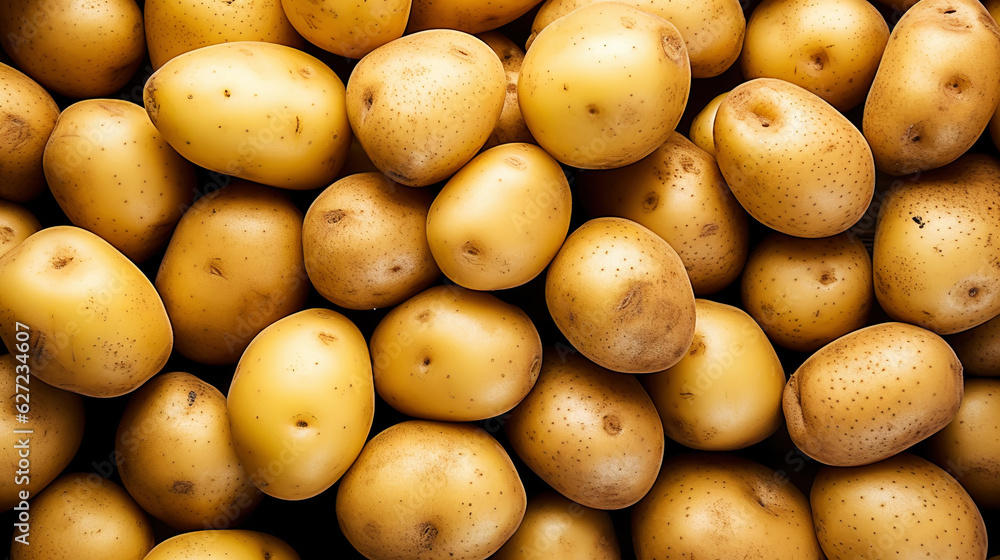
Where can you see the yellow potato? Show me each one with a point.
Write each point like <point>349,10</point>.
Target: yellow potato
<point>793,161</point>
<point>500,220</point>
<point>725,393</point>
<point>351,29</point>
<point>805,293</point>
<point>557,527</point>
<point>27,115</point>
<point>231,545</point>
<point>112,173</point>
<point>619,293</point>
<point>679,193</point>
<point>456,355</point>
<point>300,417</point>
<point>75,48</point>
<point>902,507</point>
<point>510,127</point>
<point>470,16</point>
<point>592,434</point>
<point>258,111</point>
<point>604,86</point>
<point>365,244</point>
<point>17,223</point>
<point>97,326</point>
<point>830,47</point>
<point>979,348</point>
<point>702,131</point>
<point>872,393</point>
<point>430,490</point>
<point>934,92</point>
<point>424,104</point>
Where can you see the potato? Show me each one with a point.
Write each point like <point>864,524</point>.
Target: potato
<point>56,419</point>
<point>510,127</point>
<point>258,111</point>
<point>934,260</point>
<point>134,207</point>
<point>793,161</point>
<point>934,92</point>
<point>430,490</point>
<point>350,29</point>
<point>678,193</point>
<point>174,28</point>
<point>557,527</point>
<point>902,507</point>
<point>72,47</point>
<point>179,416</point>
<point>27,115</point>
<point>725,394</point>
<point>97,326</point>
<point>604,86</point>
<point>231,545</point>
<point>619,293</point>
<point>712,31</point>
<point>722,506</point>
<point>456,355</point>
<point>301,417</point>
<point>829,47</point>
<point>465,15</point>
<point>501,219</point>
<point>979,348</point>
<point>233,266</point>
<point>805,293</point>
<point>424,104</point>
<point>591,434</point>
<point>872,393</point>
<point>83,517</point>
<point>17,223</point>
<point>702,131</point>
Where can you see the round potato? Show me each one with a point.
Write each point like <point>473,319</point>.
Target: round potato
<point>702,131</point>
<point>557,527</point>
<point>456,355</point>
<point>27,115</point>
<point>470,16</point>
<point>979,348</point>
<point>510,127</point>
<point>351,29</point>
<point>231,545</point>
<point>17,223</point>
<point>501,219</point>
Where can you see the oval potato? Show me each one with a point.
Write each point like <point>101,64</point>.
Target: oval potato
<point>351,29</point>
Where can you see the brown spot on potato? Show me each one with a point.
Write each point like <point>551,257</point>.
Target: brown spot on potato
<point>301,424</point>
<point>650,201</point>
<point>6,234</point>
<point>592,109</point>
<point>470,251</point>
<point>327,338</point>
<point>697,346</point>
<point>333,216</point>
<point>182,487</point>
<point>515,162</point>
<point>612,425</point>
<point>827,277</point>
<point>426,535</point>
<point>461,54</point>
<point>214,267</point>
<point>627,22</point>
<point>14,132</point>
<point>227,93</point>
<point>424,316</point>
<point>192,396</point>
<point>305,72</point>
<point>955,86</point>
<point>673,46</point>
<point>60,262</point>
<point>709,230</point>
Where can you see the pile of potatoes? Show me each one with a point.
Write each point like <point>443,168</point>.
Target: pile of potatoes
<point>518,279</point>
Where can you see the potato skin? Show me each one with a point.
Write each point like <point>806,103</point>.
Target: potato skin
<point>350,29</point>
<point>702,132</point>
<point>17,223</point>
<point>556,527</point>
<point>510,127</point>
<point>465,15</point>
<point>229,544</point>
<point>979,348</point>
<point>894,384</point>
<point>27,115</point>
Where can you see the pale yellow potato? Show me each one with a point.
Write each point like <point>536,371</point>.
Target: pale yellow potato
<point>423,105</point>
<point>805,293</point>
<point>935,258</point>
<point>902,507</point>
<point>712,30</point>
<point>621,296</point>
<point>702,131</point>
<point>725,393</point>
<point>97,326</point>
<point>352,29</point>
<point>76,48</point>
<point>55,416</point>
<point>219,545</point>
<point>365,244</point>
<point>84,517</point>
<point>112,173</point>
<point>176,27</point>
<point>455,355</point>
<point>679,193</point>
<point>556,527</point>
<point>233,266</point>
<point>604,86</point>
<point>17,223</point>
<point>872,393</point>
<point>27,115</point>
<point>259,111</point>
<point>793,161</point>
<point>301,403</point>
<point>979,348</point>
<point>470,16</point>
<point>711,505</point>
<point>500,220</point>
<point>936,87</point>
<point>179,416</point>
<point>430,490</point>
<point>511,126</point>
<point>591,434</point>
<point>830,47</point>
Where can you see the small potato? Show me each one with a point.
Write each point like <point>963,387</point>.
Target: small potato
<point>350,29</point>
<point>557,527</point>
<point>17,223</point>
<point>702,131</point>
<point>456,355</point>
<point>84,517</point>
<point>510,127</point>
<point>872,393</point>
<point>228,544</point>
<point>501,219</point>
<point>805,293</point>
<point>470,16</point>
<point>27,115</point>
<point>979,348</point>
<point>364,242</point>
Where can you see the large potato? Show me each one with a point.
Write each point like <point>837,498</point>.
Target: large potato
<point>17,223</point>
<point>258,111</point>
<point>556,527</point>
<point>351,29</point>
<point>27,115</point>
<point>872,393</point>
<point>936,87</point>
<point>510,127</point>
<point>231,545</point>
<point>97,326</point>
